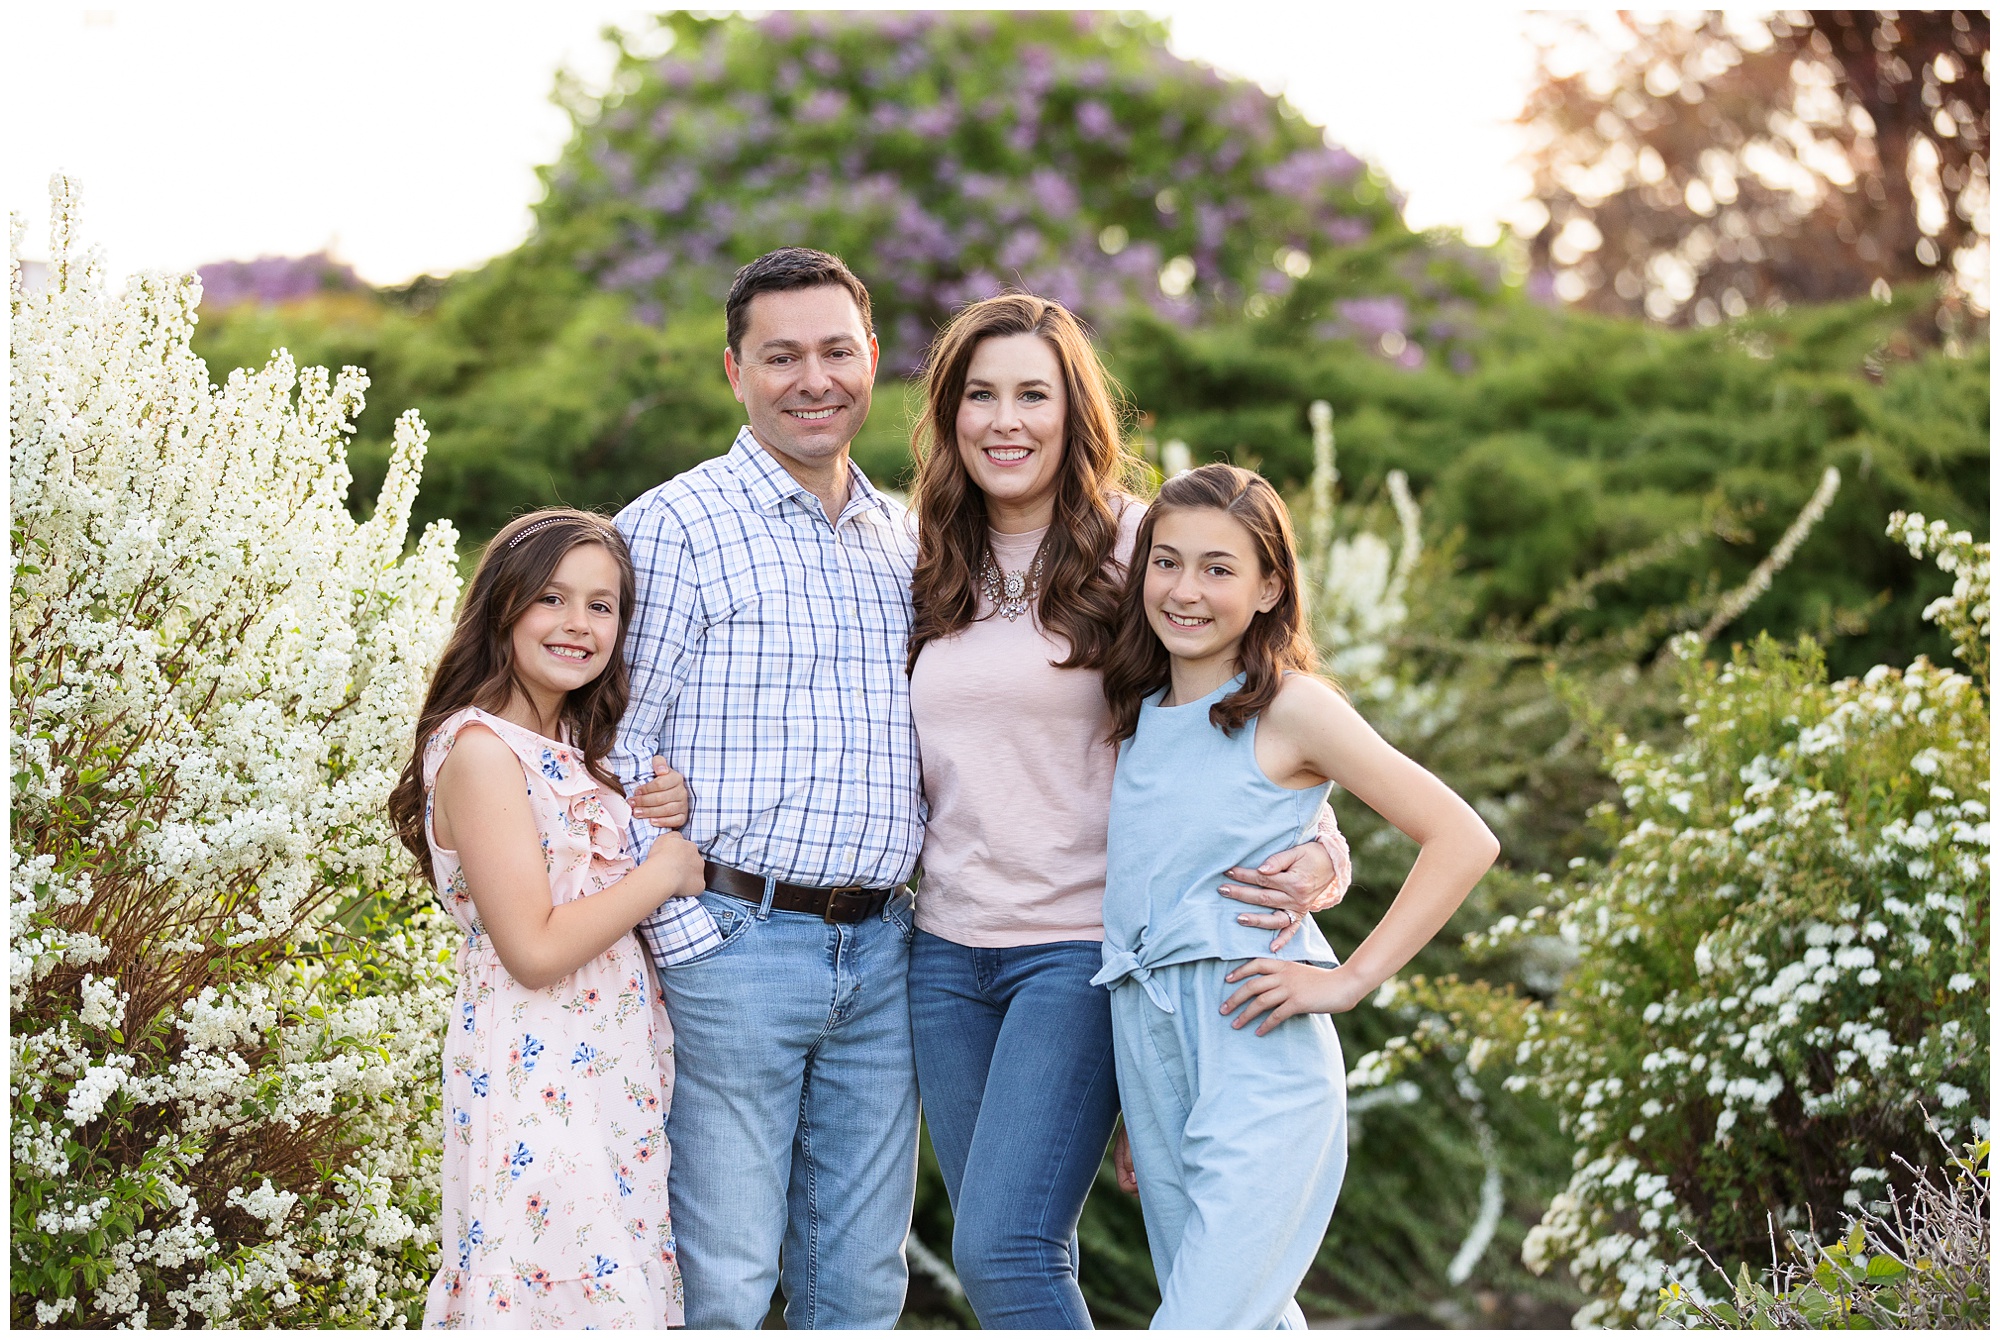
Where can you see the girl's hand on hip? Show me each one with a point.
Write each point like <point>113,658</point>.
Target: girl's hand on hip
<point>1279,989</point>
<point>1293,883</point>
<point>662,802</point>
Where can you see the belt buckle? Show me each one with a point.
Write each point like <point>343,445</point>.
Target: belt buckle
<point>833,896</point>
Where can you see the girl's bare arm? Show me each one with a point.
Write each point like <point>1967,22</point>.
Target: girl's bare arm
<point>1310,734</point>
<point>482,812</point>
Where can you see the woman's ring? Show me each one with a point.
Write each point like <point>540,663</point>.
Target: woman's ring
<point>1291,916</point>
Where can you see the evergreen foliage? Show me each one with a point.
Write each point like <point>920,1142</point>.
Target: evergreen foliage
<point>1572,440</point>
<point>1567,442</point>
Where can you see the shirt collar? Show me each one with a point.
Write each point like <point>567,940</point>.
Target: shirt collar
<point>769,484</point>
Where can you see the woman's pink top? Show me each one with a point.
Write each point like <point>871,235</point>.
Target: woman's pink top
<point>1017,774</point>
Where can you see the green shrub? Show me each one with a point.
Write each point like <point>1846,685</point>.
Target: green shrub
<point>1781,978</point>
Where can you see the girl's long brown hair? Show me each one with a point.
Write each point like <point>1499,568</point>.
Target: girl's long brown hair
<point>477,668</point>
<point>1277,640</point>
<point>1079,597</point>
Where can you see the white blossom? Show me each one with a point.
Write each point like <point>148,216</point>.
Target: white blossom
<point>1805,929</point>
<point>206,640</point>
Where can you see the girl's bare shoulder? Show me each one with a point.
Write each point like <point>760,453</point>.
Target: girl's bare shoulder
<point>477,751</point>
<point>1303,693</point>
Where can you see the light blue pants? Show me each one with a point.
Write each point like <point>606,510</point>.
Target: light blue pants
<point>794,1118</point>
<point>1240,1145</point>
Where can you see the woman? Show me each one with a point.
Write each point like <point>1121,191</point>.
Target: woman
<point>1024,530</point>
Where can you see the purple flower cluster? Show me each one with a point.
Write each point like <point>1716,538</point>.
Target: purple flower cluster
<point>946,157</point>
<point>270,280</point>
<point>1373,318</point>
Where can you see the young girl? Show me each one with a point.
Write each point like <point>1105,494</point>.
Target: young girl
<point>1238,1135</point>
<point>558,1058</point>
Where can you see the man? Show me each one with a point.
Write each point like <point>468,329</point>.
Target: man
<point>767,664</point>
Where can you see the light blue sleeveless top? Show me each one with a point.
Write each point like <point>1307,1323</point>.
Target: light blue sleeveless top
<point>1187,803</point>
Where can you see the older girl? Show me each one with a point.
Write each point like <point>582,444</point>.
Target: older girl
<point>1229,742</point>
<point>558,1059</point>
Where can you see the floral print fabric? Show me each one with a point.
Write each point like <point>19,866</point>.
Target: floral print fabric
<point>555,1101</point>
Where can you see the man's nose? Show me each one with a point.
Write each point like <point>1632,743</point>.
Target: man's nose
<point>815,379</point>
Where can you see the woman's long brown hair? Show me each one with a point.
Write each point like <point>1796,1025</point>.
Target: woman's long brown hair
<point>477,668</point>
<point>1276,641</point>
<point>1079,596</point>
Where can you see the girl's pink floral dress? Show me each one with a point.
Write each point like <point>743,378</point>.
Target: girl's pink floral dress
<point>555,1101</point>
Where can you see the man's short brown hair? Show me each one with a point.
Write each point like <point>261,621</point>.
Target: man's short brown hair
<point>785,269</point>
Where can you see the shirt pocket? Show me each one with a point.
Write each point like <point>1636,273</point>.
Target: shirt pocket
<point>753,581</point>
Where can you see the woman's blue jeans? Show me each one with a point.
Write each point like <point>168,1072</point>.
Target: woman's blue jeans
<point>1015,1068</point>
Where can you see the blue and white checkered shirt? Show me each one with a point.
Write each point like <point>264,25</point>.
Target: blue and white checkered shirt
<point>767,666</point>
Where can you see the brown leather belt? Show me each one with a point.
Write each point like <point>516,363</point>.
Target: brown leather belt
<point>844,905</point>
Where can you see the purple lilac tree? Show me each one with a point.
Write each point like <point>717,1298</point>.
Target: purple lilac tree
<point>270,280</point>
<point>947,156</point>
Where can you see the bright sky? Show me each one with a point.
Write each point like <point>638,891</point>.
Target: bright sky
<point>403,134</point>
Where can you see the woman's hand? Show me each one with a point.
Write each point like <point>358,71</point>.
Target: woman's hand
<point>662,802</point>
<point>1121,1161</point>
<point>1284,989</point>
<point>1296,882</point>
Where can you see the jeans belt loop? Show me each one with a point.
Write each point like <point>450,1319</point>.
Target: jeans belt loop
<point>770,892</point>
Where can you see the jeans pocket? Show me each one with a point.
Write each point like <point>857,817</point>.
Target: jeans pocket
<point>902,913</point>
<point>732,919</point>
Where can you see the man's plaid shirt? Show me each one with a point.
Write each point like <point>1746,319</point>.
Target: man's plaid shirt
<point>767,666</point>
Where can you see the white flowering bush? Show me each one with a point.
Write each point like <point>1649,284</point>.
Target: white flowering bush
<point>225,989</point>
<point>1782,980</point>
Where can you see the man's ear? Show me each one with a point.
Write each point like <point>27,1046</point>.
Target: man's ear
<point>733,370</point>
<point>874,357</point>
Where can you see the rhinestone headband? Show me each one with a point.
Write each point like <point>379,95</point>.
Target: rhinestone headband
<point>526,531</point>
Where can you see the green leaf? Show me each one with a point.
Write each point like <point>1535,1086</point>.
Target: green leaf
<point>1885,1268</point>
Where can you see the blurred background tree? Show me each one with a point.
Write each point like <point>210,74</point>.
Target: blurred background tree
<point>1694,168</point>
<point>944,155</point>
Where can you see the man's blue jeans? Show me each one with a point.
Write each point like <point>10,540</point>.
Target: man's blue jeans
<point>794,1118</point>
<point>1015,1064</point>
